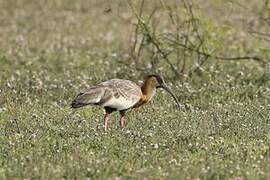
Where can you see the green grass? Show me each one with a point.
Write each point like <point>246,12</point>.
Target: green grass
<point>51,50</point>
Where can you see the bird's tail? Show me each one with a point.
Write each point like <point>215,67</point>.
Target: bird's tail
<point>92,96</point>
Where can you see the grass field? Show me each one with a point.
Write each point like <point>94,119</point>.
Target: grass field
<point>50,50</point>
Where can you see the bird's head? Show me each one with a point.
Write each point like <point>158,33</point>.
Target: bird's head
<point>157,81</point>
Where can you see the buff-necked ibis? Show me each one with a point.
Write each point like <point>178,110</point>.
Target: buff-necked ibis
<point>121,95</point>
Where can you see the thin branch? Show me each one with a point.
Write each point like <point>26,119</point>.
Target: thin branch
<point>183,68</point>
<point>155,42</point>
<point>255,58</point>
<point>169,10</point>
<point>137,27</point>
<point>263,35</point>
<point>140,48</point>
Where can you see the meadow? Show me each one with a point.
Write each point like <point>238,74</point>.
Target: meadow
<point>51,50</point>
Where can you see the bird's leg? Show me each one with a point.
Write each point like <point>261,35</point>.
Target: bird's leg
<point>106,118</point>
<point>122,120</point>
<point>108,111</point>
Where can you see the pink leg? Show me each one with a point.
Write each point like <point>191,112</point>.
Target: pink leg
<point>106,118</point>
<point>122,120</point>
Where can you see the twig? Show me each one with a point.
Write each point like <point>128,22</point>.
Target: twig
<point>143,38</point>
<point>155,42</point>
<point>265,36</point>
<point>184,57</point>
<point>137,27</point>
<point>255,58</point>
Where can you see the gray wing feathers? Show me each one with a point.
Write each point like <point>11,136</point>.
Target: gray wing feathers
<point>128,90</point>
<point>91,96</point>
<point>103,92</point>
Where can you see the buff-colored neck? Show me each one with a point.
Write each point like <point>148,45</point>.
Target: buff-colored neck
<point>148,89</point>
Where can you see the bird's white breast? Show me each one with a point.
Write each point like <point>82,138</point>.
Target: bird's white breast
<point>120,103</point>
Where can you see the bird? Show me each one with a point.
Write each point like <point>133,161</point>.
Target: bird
<point>121,95</point>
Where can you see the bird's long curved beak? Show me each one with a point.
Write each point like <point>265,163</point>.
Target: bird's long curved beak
<point>163,86</point>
